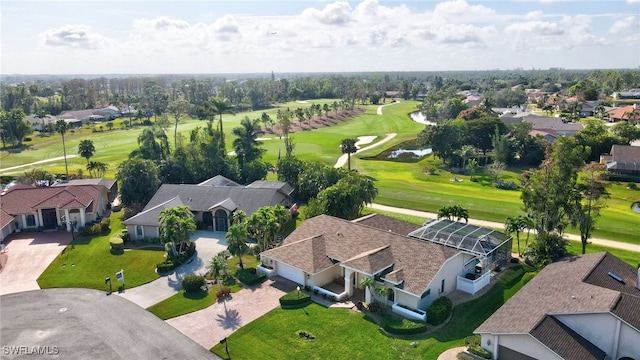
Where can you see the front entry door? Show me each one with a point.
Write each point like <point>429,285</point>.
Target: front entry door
<point>49,218</point>
<point>221,221</point>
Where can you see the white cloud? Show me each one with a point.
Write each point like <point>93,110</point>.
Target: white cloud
<point>74,36</point>
<point>534,15</point>
<point>534,29</point>
<point>337,13</point>
<point>633,1</point>
<point>459,11</point>
<point>624,25</point>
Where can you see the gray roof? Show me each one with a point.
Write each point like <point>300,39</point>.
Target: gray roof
<point>150,216</point>
<point>108,183</point>
<point>565,342</point>
<point>207,196</point>
<point>625,153</point>
<point>283,187</point>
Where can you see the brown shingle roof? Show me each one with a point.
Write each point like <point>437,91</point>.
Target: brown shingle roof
<point>571,285</point>
<point>564,341</point>
<point>373,261</point>
<point>625,153</point>
<point>344,240</point>
<point>628,308</point>
<point>387,224</point>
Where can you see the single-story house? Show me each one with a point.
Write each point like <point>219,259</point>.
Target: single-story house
<point>212,202</point>
<point>110,184</point>
<point>629,94</point>
<point>624,159</point>
<point>52,207</point>
<point>39,123</point>
<point>583,307</point>
<point>552,125</point>
<point>629,113</point>
<point>92,115</point>
<point>417,264</point>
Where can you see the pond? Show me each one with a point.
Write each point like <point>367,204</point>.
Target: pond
<point>416,153</point>
<point>419,117</point>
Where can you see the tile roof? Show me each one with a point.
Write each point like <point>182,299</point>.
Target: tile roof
<point>414,261</point>
<point>5,218</point>
<point>622,113</point>
<point>564,341</point>
<point>27,199</point>
<point>571,285</point>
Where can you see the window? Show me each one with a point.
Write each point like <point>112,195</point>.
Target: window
<point>392,295</point>
<point>425,294</point>
<point>442,286</point>
<point>31,220</point>
<point>139,232</point>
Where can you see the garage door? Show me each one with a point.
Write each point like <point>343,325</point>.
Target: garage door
<point>291,273</point>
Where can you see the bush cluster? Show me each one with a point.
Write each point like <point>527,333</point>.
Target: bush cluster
<point>506,185</point>
<point>190,249</point>
<point>165,266</point>
<point>192,283</point>
<point>439,311</point>
<point>90,230</point>
<point>291,299</point>
<point>126,237</point>
<point>527,277</point>
<point>377,308</point>
<point>116,208</point>
<point>249,276</point>
<point>480,351</point>
<point>224,292</point>
<point>117,245</point>
<point>104,225</point>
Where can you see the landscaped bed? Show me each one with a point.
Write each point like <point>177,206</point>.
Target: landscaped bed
<point>345,334</point>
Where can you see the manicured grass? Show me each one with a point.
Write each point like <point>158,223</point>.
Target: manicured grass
<point>184,303</point>
<point>86,262</point>
<point>343,334</point>
<point>630,257</point>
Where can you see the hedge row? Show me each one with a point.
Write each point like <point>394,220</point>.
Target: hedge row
<point>480,351</point>
<point>249,276</point>
<point>165,266</point>
<point>398,325</point>
<point>439,311</point>
<point>191,283</point>
<point>295,298</point>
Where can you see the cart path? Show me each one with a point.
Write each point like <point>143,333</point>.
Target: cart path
<point>39,162</point>
<point>343,159</point>
<point>495,224</point>
<point>381,106</point>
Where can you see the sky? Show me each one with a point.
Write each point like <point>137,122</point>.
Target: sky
<point>242,36</point>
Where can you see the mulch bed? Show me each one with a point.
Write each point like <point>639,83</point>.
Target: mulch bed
<point>316,123</point>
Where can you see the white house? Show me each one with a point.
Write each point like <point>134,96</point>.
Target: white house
<point>584,307</point>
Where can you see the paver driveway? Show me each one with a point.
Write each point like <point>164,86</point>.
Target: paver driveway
<point>28,255</point>
<point>208,326</point>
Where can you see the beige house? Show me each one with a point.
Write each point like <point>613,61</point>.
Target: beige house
<point>417,264</point>
<point>584,307</point>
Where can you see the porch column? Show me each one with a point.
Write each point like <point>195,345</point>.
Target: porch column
<point>40,217</point>
<point>24,221</point>
<point>67,219</point>
<point>82,220</point>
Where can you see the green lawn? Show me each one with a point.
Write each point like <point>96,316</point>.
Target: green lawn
<point>342,334</point>
<point>184,303</point>
<point>86,262</point>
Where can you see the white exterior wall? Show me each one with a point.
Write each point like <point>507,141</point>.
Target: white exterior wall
<point>151,232</point>
<point>449,271</point>
<point>291,273</point>
<point>407,299</point>
<point>524,344</point>
<point>629,343</point>
<point>7,230</point>
<point>599,329</point>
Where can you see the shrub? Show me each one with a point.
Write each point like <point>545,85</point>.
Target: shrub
<point>506,185</point>
<point>90,230</point>
<point>116,208</point>
<point>192,283</point>
<point>224,292</point>
<point>527,277</point>
<point>480,351</point>
<point>472,340</point>
<point>165,266</point>
<point>295,298</point>
<point>632,186</point>
<point>104,225</point>
<point>27,139</point>
<point>376,307</point>
<point>126,237</point>
<point>398,325</point>
<point>439,311</point>
<point>248,277</point>
<point>116,243</point>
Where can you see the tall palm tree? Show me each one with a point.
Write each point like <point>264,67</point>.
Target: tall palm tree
<point>217,266</point>
<point>221,106</point>
<point>348,146</point>
<point>246,145</point>
<point>237,241</point>
<point>466,152</point>
<point>514,225</point>
<point>86,149</point>
<point>382,292</point>
<point>61,128</point>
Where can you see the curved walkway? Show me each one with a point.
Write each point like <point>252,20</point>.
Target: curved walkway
<point>381,106</point>
<point>494,224</point>
<point>343,159</point>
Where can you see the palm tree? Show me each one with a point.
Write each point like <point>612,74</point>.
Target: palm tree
<point>61,128</point>
<point>466,152</point>
<point>472,165</point>
<point>217,266</point>
<point>246,145</point>
<point>367,283</point>
<point>221,106</point>
<point>266,120</point>
<point>86,149</point>
<point>460,213</point>
<point>97,169</point>
<point>514,225</point>
<point>237,241</point>
<point>348,146</point>
<point>238,217</point>
<point>382,292</point>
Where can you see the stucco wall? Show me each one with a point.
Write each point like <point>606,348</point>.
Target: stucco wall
<point>449,272</point>
<point>599,329</point>
<point>629,343</point>
<point>148,232</point>
<point>406,299</point>
<point>326,276</point>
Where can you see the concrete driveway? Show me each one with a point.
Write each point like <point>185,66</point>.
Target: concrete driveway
<point>28,255</point>
<point>208,245</point>
<point>208,326</point>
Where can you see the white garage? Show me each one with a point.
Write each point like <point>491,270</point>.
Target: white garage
<point>291,273</point>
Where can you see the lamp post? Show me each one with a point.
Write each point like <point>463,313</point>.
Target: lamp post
<point>298,288</point>
<point>108,280</point>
